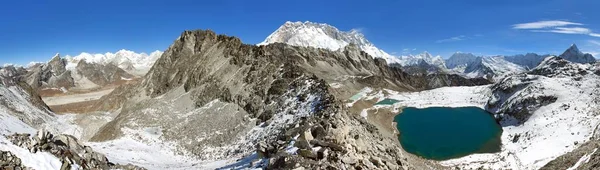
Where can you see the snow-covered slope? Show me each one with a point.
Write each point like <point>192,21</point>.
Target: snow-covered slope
<point>491,67</point>
<point>133,63</point>
<point>574,55</point>
<point>544,113</point>
<point>318,35</point>
<point>19,115</point>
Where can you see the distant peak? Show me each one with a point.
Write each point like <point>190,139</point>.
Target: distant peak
<point>321,35</point>
<point>57,55</point>
<point>55,58</point>
<point>573,48</point>
<point>426,54</point>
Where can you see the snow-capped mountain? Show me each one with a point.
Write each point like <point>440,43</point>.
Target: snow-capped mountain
<point>574,55</point>
<point>491,67</point>
<point>528,61</point>
<point>460,59</point>
<point>423,58</point>
<point>318,35</point>
<point>496,66</point>
<point>132,62</point>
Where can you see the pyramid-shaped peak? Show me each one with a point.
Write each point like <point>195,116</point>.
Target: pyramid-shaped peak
<point>574,55</point>
<point>573,47</point>
<point>573,50</point>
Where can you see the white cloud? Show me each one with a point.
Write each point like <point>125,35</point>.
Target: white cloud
<point>452,39</point>
<point>544,24</point>
<point>556,26</point>
<point>573,30</point>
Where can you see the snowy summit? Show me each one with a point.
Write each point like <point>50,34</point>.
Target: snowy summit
<point>318,35</point>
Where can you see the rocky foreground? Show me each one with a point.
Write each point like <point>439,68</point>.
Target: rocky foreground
<point>66,148</point>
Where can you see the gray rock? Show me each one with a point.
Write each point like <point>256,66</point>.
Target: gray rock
<point>349,160</point>
<point>307,153</point>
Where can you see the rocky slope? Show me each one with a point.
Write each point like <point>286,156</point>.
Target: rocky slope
<point>63,73</point>
<point>213,97</point>
<point>50,75</point>
<point>21,113</point>
<point>102,74</point>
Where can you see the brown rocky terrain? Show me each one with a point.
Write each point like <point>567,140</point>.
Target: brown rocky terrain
<point>102,75</point>
<point>262,97</point>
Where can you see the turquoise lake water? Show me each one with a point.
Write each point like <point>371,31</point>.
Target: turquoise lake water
<point>441,133</point>
<point>387,102</point>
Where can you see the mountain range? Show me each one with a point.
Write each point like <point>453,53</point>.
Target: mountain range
<point>319,35</point>
<point>305,98</point>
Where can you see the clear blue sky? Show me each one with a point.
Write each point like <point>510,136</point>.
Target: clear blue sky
<point>34,30</point>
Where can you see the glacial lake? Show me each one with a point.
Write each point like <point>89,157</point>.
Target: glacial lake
<point>387,102</point>
<point>442,133</point>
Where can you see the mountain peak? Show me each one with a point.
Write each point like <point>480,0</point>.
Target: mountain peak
<point>574,55</point>
<point>320,35</point>
<point>574,48</point>
<point>56,56</point>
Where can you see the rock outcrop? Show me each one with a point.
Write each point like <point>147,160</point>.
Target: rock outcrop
<point>67,148</point>
<point>9,161</point>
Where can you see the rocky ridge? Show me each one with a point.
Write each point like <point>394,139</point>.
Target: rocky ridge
<point>62,73</point>
<point>262,94</point>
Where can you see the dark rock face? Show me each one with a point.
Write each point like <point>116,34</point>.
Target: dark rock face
<point>442,80</point>
<point>101,74</point>
<point>67,148</point>
<point>521,108</point>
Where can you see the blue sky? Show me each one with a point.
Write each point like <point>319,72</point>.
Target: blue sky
<point>34,30</point>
